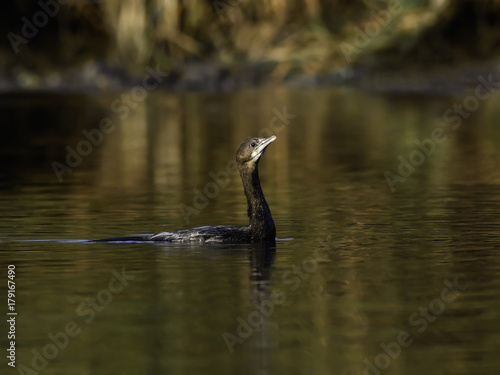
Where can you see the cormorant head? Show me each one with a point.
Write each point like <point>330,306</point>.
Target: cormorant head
<point>252,149</point>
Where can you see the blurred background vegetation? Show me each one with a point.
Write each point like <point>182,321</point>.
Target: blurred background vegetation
<point>219,43</point>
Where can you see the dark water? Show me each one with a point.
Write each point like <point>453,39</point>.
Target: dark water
<point>365,279</point>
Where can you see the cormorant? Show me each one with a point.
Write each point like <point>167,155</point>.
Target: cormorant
<point>261,225</point>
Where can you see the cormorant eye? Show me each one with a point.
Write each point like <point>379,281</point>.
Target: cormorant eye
<point>253,144</point>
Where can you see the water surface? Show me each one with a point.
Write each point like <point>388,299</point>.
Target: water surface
<point>368,267</point>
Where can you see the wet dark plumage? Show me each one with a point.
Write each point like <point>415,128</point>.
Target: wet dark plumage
<point>261,225</point>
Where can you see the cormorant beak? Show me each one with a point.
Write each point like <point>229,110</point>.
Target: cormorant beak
<point>264,142</point>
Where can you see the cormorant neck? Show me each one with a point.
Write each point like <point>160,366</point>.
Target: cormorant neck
<point>261,220</point>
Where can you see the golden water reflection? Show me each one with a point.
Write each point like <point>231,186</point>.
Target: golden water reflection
<point>388,252</point>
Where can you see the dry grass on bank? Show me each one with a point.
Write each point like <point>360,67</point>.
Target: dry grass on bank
<point>303,36</point>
